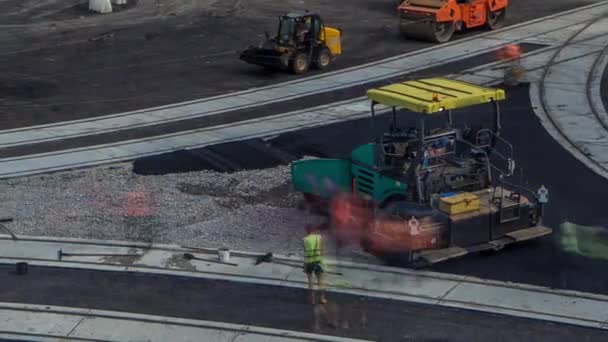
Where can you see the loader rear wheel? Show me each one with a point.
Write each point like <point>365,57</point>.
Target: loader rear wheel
<point>497,19</point>
<point>299,64</point>
<point>323,59</point>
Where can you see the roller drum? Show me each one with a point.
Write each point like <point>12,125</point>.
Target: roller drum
<point>426,30</point>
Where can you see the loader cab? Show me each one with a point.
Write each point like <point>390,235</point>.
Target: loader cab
<point>299,29</point>
<point>302,42</point>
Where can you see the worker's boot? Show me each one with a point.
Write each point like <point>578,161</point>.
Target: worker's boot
<point>514,75</point>
<point>323,299</point>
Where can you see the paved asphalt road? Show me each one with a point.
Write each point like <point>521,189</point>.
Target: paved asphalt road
<point>236,116</point>
<point>63,75</point>
<point>269,306</point>
<point>576,193</point>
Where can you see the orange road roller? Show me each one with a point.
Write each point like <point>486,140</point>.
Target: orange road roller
<point>437,20</point>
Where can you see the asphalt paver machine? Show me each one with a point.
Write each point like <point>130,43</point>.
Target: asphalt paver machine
<point>424,193</point>
<point>437,20</point>
<point>302,41</point>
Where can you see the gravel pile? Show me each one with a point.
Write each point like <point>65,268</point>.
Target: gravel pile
<point>255,210</point>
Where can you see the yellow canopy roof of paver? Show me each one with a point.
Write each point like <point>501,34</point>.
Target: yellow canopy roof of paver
<point>417,95</point>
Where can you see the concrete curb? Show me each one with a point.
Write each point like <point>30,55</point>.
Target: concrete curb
<point>296,259</point>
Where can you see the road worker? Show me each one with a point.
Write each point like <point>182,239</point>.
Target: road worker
<point>509,52</point>
<point>349,215</point>
<point>588,241</point>
<point>303,28</point>
<point>313,261</point>
<point>511,55</point>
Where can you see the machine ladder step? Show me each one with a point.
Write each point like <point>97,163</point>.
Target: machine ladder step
<point>439,255</point>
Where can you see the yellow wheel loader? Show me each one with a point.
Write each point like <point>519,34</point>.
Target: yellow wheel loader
<point>302,42</point>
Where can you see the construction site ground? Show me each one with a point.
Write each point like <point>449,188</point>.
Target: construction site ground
<point>253,207</point>
<point>61,62</point>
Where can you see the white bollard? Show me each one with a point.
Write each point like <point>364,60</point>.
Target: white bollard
<point>100,6</point>
<point>224,254</point>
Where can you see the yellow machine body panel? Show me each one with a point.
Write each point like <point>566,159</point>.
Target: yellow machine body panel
<point>333,39</point>
<point>433,95</point>
<point>459,204</point>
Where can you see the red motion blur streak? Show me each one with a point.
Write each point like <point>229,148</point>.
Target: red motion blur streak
<point>350,217</point>
<point>139,204</point>
<point>353,221</point>
<point>511,52</point>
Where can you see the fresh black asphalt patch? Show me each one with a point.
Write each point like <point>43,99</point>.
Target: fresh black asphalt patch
<point>254,112</point>
<point>271,306</point>
<point>576,193</point>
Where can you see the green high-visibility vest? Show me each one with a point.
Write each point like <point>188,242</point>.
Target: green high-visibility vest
<point>588,241</point>
<point>312,248</point>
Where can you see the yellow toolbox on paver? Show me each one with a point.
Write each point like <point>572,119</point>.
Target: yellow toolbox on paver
<point>460,203</point>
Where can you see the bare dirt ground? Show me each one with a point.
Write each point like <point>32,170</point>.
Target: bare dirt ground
<point>61,62</point>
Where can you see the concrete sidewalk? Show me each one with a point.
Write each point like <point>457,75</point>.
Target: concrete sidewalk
<point>583,309</point>
<point>27,322</point>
